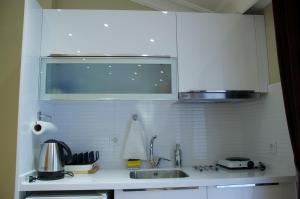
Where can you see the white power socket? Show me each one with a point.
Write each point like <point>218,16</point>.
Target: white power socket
<point>273,148</point>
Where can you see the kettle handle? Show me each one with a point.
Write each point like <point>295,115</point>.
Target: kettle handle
<point>65,147</point>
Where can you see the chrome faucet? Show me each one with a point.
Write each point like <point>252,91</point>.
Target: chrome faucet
<point>154,161</point>
<point>178,156</point>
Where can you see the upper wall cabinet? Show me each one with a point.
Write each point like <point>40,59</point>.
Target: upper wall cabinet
<point>117,78</point>
<point>221,52</point>
<point>109,33</point>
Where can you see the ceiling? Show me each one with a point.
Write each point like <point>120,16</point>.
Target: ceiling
<point>220,6</point>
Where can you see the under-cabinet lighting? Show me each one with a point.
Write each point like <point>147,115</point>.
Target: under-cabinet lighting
<point>145,55</point>
<point>139,65</point>
<point>78,51</point>
<point>58,10</point>
<point>165,12</point>
<point>83,59</point>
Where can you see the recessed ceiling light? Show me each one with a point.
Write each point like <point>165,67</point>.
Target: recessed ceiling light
<point>109,66</point>
<point>152,40</point>
<point>161,80</point>
<point>155,85</point>
<point>106,25</point>
<point>162,72</point>
<point>135,73</point>
<point>70,34</point>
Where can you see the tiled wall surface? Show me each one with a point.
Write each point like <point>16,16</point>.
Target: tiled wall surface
<point>206,132</point>
<point>266,132</point>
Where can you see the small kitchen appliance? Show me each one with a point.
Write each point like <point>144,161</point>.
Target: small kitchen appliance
<point>236,163</point>
<point>53,156</point>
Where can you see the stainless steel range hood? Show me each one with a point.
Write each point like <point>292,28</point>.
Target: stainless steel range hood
<point>217,96</point>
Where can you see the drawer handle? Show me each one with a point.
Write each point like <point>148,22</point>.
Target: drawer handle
<point>235,186</point>
<point>161,189</point>
<point>246,185</point>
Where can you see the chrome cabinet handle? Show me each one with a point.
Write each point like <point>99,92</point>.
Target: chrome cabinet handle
<point>246,185</point>
<point>161,189</point>
<point>110,55</point>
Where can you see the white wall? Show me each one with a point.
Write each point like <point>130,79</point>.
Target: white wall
<point>265,127</point>
<point>207,131</point>
<point>28,100</point>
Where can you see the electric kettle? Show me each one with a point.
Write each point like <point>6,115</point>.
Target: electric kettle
<point>53,156</point>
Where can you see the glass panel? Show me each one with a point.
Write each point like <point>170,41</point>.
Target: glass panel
<point>97,78</point>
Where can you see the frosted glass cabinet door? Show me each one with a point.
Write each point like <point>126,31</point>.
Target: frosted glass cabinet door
<point>85,78</point>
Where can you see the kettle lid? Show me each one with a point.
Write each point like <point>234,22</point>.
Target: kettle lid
<point>52,141</point>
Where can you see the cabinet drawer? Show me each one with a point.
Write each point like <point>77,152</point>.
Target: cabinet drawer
<point>248,191</point>
<point>173,193</point>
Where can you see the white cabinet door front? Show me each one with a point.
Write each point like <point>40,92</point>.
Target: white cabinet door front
<point>91,32</point>
<point>162,194</point>
<point>217,52</point>
<point>282,191</point>
<point>91,78</point>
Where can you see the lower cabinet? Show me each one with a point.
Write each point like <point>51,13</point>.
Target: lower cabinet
<point>168,193</point>
<point>262,191</point>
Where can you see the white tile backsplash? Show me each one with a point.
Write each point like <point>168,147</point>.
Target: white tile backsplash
<point>206,132</point>
<point>265,125</point>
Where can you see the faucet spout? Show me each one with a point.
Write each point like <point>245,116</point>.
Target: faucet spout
<point>154,161</point>
<point>151,156</point>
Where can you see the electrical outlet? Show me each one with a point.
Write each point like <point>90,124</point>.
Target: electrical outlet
<point>273,148</point>
<point>113,140</point>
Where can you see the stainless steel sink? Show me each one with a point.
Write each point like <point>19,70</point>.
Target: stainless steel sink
<point>157,174</point>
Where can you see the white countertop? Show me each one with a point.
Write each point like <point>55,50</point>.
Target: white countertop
<point>119,179</point>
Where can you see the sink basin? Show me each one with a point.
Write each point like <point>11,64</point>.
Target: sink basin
<point>157,174</point>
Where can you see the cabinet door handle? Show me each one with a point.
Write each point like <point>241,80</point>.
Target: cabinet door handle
<point>267,184</point>
<point>105,55</point>
<point>235,186</point>
<point>246,185</point>
<point>162,189</point>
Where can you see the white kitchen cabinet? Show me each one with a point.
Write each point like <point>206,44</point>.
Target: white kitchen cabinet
<point>221,52</point>
<point>91,32</point>
<point>98,78</point>
<point>281,191</point>
<point>195,193</point>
